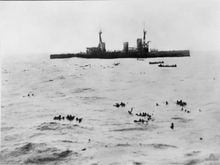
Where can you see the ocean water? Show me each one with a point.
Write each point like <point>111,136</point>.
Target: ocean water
<point>34,89</point>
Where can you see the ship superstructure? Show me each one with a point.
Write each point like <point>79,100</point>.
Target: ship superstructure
<point>140,51</point>
<point>142,46</point>
<point>99,49</point>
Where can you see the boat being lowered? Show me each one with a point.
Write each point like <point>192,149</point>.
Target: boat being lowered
<point>167,65</point>
<point>156,62</point>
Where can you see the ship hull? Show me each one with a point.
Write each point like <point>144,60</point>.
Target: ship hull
<point>111,55</point>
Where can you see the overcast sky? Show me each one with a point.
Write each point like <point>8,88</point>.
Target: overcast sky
<point>71,26</point>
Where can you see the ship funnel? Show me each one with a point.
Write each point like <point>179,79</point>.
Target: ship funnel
<point>103,47</point>
<point>139,45</point>
<point>125,49</point>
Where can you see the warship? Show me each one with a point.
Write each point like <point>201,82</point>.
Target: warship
<point>140,51</point>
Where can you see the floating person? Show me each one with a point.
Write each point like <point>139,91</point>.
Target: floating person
<point>172,126</point>
<point>140,121</point>
<point>149,117</point>
<point>59,117</point>
<point>122,104</point>
<point>117,105</point>
<point>67,117</point>
<point>178,102</point>
<point>181,103</point>
<point>80,120</point>
<point>130,112</point>
<point>166,102</point>
<point>70,117</point>
<point>138,114</point>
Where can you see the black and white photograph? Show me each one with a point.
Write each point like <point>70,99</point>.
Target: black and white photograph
<point>110,82</point>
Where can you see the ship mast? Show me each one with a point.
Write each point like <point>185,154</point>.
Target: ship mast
<point>144,44</point>
<point>101,45</point>
<point>100,37</point>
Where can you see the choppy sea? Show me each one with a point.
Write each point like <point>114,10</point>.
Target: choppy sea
<point>35,89</point>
